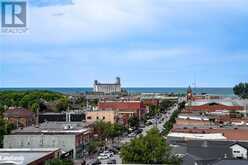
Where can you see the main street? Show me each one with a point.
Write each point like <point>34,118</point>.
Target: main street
<point>159,123</point>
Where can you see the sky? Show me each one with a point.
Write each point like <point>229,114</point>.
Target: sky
<point>148,43</point>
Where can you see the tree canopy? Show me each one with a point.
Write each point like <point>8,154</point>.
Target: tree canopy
<point>241,90</point>
<point>133,121</point>
<point>31,99</point>
<point>107,130</point>
<point>166,104</point>
<point>149,149</point>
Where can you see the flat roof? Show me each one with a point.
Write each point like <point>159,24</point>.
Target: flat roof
<point>54,127</point>
<point>209,136</point>
<point>24,155</point>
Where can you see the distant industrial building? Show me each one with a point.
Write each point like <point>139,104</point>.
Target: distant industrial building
<point>70,137</point>
<point>108,88</point>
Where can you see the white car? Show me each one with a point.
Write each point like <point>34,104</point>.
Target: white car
<point>105,155</point>
<point>133,134</point>
<point>102,157</point>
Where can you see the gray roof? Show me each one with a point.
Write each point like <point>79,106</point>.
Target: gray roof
<point>206,152</point>
<point>54,127</point>
<point>231,162</point>
<point>24,156</point>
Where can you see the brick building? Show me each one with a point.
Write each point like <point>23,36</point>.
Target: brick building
<point>20,117</point>
<point>125,109</point>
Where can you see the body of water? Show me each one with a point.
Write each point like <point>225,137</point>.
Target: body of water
<point>213,91</point>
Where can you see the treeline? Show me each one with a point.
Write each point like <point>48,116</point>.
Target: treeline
<point>169,124</point>
<point>241,90</point>
<point>30,99</point>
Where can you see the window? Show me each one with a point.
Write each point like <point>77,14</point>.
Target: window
<point>103,117</point>
<point>89,117</point>
<point>236,151</point>
<point>97,117</point>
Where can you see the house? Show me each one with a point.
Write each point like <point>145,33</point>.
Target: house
<point>28,156</point>
<point>70,137</point>
<point>211,152</point>
<point>19,117</point>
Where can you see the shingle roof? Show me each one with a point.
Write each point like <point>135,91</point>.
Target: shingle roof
<point>18,112</point>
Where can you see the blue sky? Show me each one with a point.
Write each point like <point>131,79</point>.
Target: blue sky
<point>148,43</point>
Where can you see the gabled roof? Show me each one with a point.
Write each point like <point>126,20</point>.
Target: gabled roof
<point>18,112</point>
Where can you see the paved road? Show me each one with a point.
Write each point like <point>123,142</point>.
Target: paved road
<point>159,125</point>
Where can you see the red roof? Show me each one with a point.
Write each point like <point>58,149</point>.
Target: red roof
<point>18,112</point>
<point>212,108</point>
<point>118,105</point>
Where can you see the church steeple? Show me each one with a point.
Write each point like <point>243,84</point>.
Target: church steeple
<point>189,94</point>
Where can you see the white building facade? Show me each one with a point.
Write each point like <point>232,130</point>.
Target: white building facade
<point>107,87</point>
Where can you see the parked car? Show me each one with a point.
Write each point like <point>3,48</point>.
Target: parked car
<point>111,161</point>
<point>148,123</point>
<point>114,150</point>
<point>94,162</point>
<point>102,157</point>
<point>138,131</point>
<point>133,134</point>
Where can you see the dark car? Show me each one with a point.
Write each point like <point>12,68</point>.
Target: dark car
<point>114,150</point>
<point>138,131</point>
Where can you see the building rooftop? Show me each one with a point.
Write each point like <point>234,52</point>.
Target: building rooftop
<point>209,136</point>
<point>24,155</point>
<point>225,101</point>
<point>18,112</point>
<point>54,128</point>
<point>121,105</point>
<point>231,162</point>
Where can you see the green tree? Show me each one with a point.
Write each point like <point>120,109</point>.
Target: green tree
<point>241,90</point>
<point>153,110</point>
<point>59,162</point>
<point>149,149</point>
<point>166,104</point>
<point>62,104</point>
<point>93,145</point>
<point>27,98</point>
<point>106,130</point>
<point>35,107</point>
<point>133,121</point>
